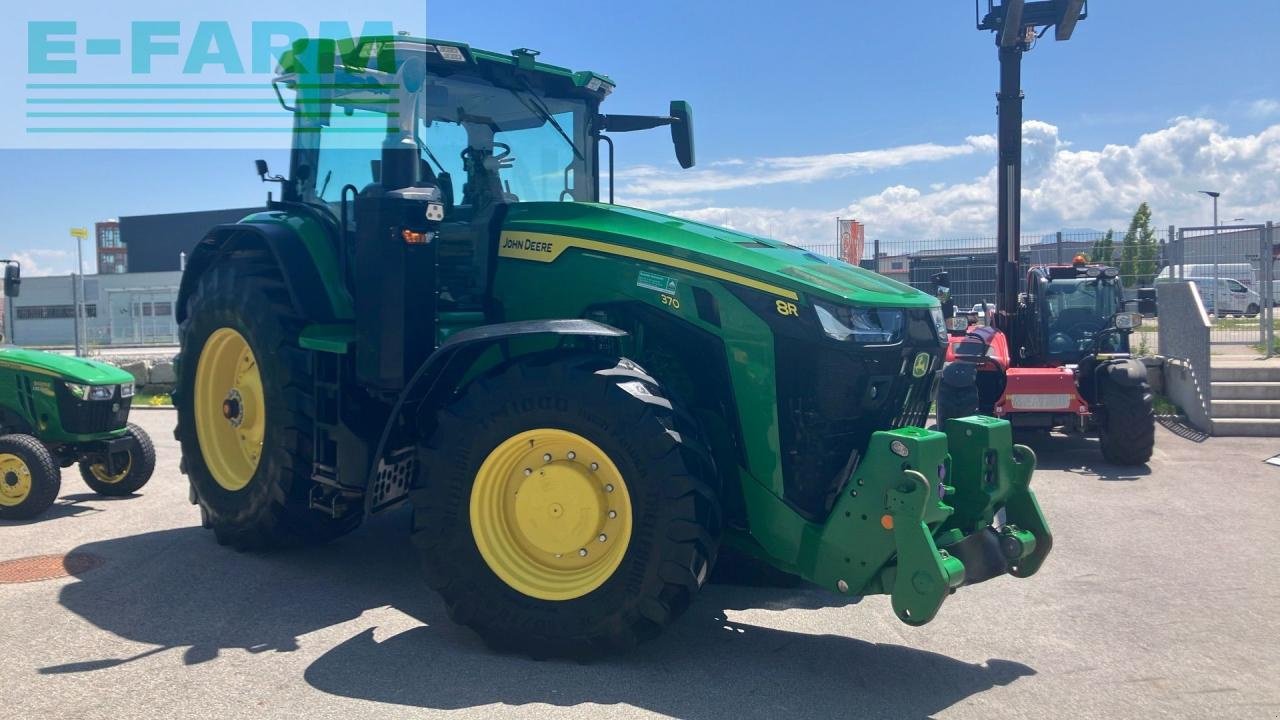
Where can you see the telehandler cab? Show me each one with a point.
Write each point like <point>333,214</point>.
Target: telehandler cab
<point>581,401</point>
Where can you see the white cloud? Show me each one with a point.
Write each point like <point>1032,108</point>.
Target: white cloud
<point>648,181</point>
<point>40,262</point>
<point>1062,187</point>
<point>1264,108</point>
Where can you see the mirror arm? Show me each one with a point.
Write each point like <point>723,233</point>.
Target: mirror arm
<point>609,140</point>
<point>633,123</point>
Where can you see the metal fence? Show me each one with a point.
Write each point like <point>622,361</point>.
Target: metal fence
<point>1239,259</point>
<point>1234,269</point>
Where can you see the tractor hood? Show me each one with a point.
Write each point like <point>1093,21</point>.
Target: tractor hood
<point>73,369</point>
<point>767,261</point>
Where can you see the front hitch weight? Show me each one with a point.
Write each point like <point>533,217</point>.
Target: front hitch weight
<point>1022,511</point>
<point>924,576</point>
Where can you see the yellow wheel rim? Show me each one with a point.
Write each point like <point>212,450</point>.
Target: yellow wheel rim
<point>100,472</point>
<point>15,480</point>
<point>230,409</point>
<point>551,514</point>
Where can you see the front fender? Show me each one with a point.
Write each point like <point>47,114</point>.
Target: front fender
<point>1125,372</point>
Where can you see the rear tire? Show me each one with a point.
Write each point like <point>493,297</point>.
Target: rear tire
<point>259,494</point>
<point>142,462</point>
<point>29,478</point>
<point>1252,310</point>
<point>1127,426</point>
<point>672,515</point>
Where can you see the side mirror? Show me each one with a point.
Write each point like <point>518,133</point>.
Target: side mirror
<point>265,173</point>
<point>12,280</point>
<point>958,324</point>
<point>682,132</point>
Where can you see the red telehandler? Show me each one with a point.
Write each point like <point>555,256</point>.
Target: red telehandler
<point>1057,354</point>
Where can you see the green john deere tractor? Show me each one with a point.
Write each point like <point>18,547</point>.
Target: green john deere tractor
<point>581,401</point>
<point>56,411</point>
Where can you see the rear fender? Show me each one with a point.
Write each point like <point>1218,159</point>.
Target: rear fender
<point>301,247</point>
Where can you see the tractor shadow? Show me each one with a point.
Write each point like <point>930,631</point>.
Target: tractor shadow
<point>1078,455</point>
<point>178,590</point>
<point>68,506</point>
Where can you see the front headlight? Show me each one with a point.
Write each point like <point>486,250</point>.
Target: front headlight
<point>880,326</point>
<point>1128,321</point>
<point>90,392</point>
<point>126,390</point>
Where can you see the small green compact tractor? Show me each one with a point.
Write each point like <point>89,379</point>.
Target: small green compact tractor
<point>581,401</point>
<point>56,411</point>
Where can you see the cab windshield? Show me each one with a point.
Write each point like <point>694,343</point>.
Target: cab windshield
<point>1077,309</point>
<point>480,142</point>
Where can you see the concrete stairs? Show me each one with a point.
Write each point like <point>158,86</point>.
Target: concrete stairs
<point>1246,400</point>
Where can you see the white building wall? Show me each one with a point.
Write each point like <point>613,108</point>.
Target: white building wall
<point>122,309</point>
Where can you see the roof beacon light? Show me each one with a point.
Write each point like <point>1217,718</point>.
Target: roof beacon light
<point>1079,260</point>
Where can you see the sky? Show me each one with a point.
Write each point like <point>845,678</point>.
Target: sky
<point>804,111</point>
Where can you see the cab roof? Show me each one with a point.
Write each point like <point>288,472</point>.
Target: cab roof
<point>383,55</point>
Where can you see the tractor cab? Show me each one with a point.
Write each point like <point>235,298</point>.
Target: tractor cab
<point>431,145</point>
<point>1069,308</point>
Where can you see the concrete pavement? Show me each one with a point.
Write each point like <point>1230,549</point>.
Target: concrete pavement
<point>1158,601</point>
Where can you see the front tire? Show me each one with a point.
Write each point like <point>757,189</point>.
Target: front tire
<point>244,400</point>
<point>137,471</point>
<point>1252,310</point>
<point>567,508</point>
<point>1127,426</point>
<point>29,477</point>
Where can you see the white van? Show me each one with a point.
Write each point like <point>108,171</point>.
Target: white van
<point>1244,272</point>
<point>1232,296</point>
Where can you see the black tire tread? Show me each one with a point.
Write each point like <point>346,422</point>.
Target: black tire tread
<point>144,464</point>
<point>1127,426</point>
<point>46,476</point>
<point>687,512</point>
<point>248,286</point>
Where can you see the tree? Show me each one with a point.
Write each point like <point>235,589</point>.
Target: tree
<point>1138,254</point>
<point>1103,249</point>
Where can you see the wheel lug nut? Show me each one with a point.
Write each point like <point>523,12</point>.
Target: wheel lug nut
<point>528,471</point>
<point>572,455</point>
<point>603,537</point>
<point>546,457</point>
<point>595,466</point>
<point>613,514</point>
<point>608,488</point>
<point>583,552</point>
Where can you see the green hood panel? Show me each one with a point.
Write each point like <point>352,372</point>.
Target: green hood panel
<point>763,259</point>
<point>79,370</point>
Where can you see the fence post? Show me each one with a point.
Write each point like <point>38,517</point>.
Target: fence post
<point>1059,242</point>
<point>1268,286</point>
<point>1180,253</point>
<point>875,252</point>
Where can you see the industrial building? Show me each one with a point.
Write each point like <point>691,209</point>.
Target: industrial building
<point>119,309</point>
<point>157,243</point>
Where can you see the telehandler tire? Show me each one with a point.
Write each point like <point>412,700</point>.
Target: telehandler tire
<point>244,399</point>
<point>957,394</point>
<point>565,508</point>
<point>136,473</point>
<point>1126,422</point>
<point>29,477</point>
